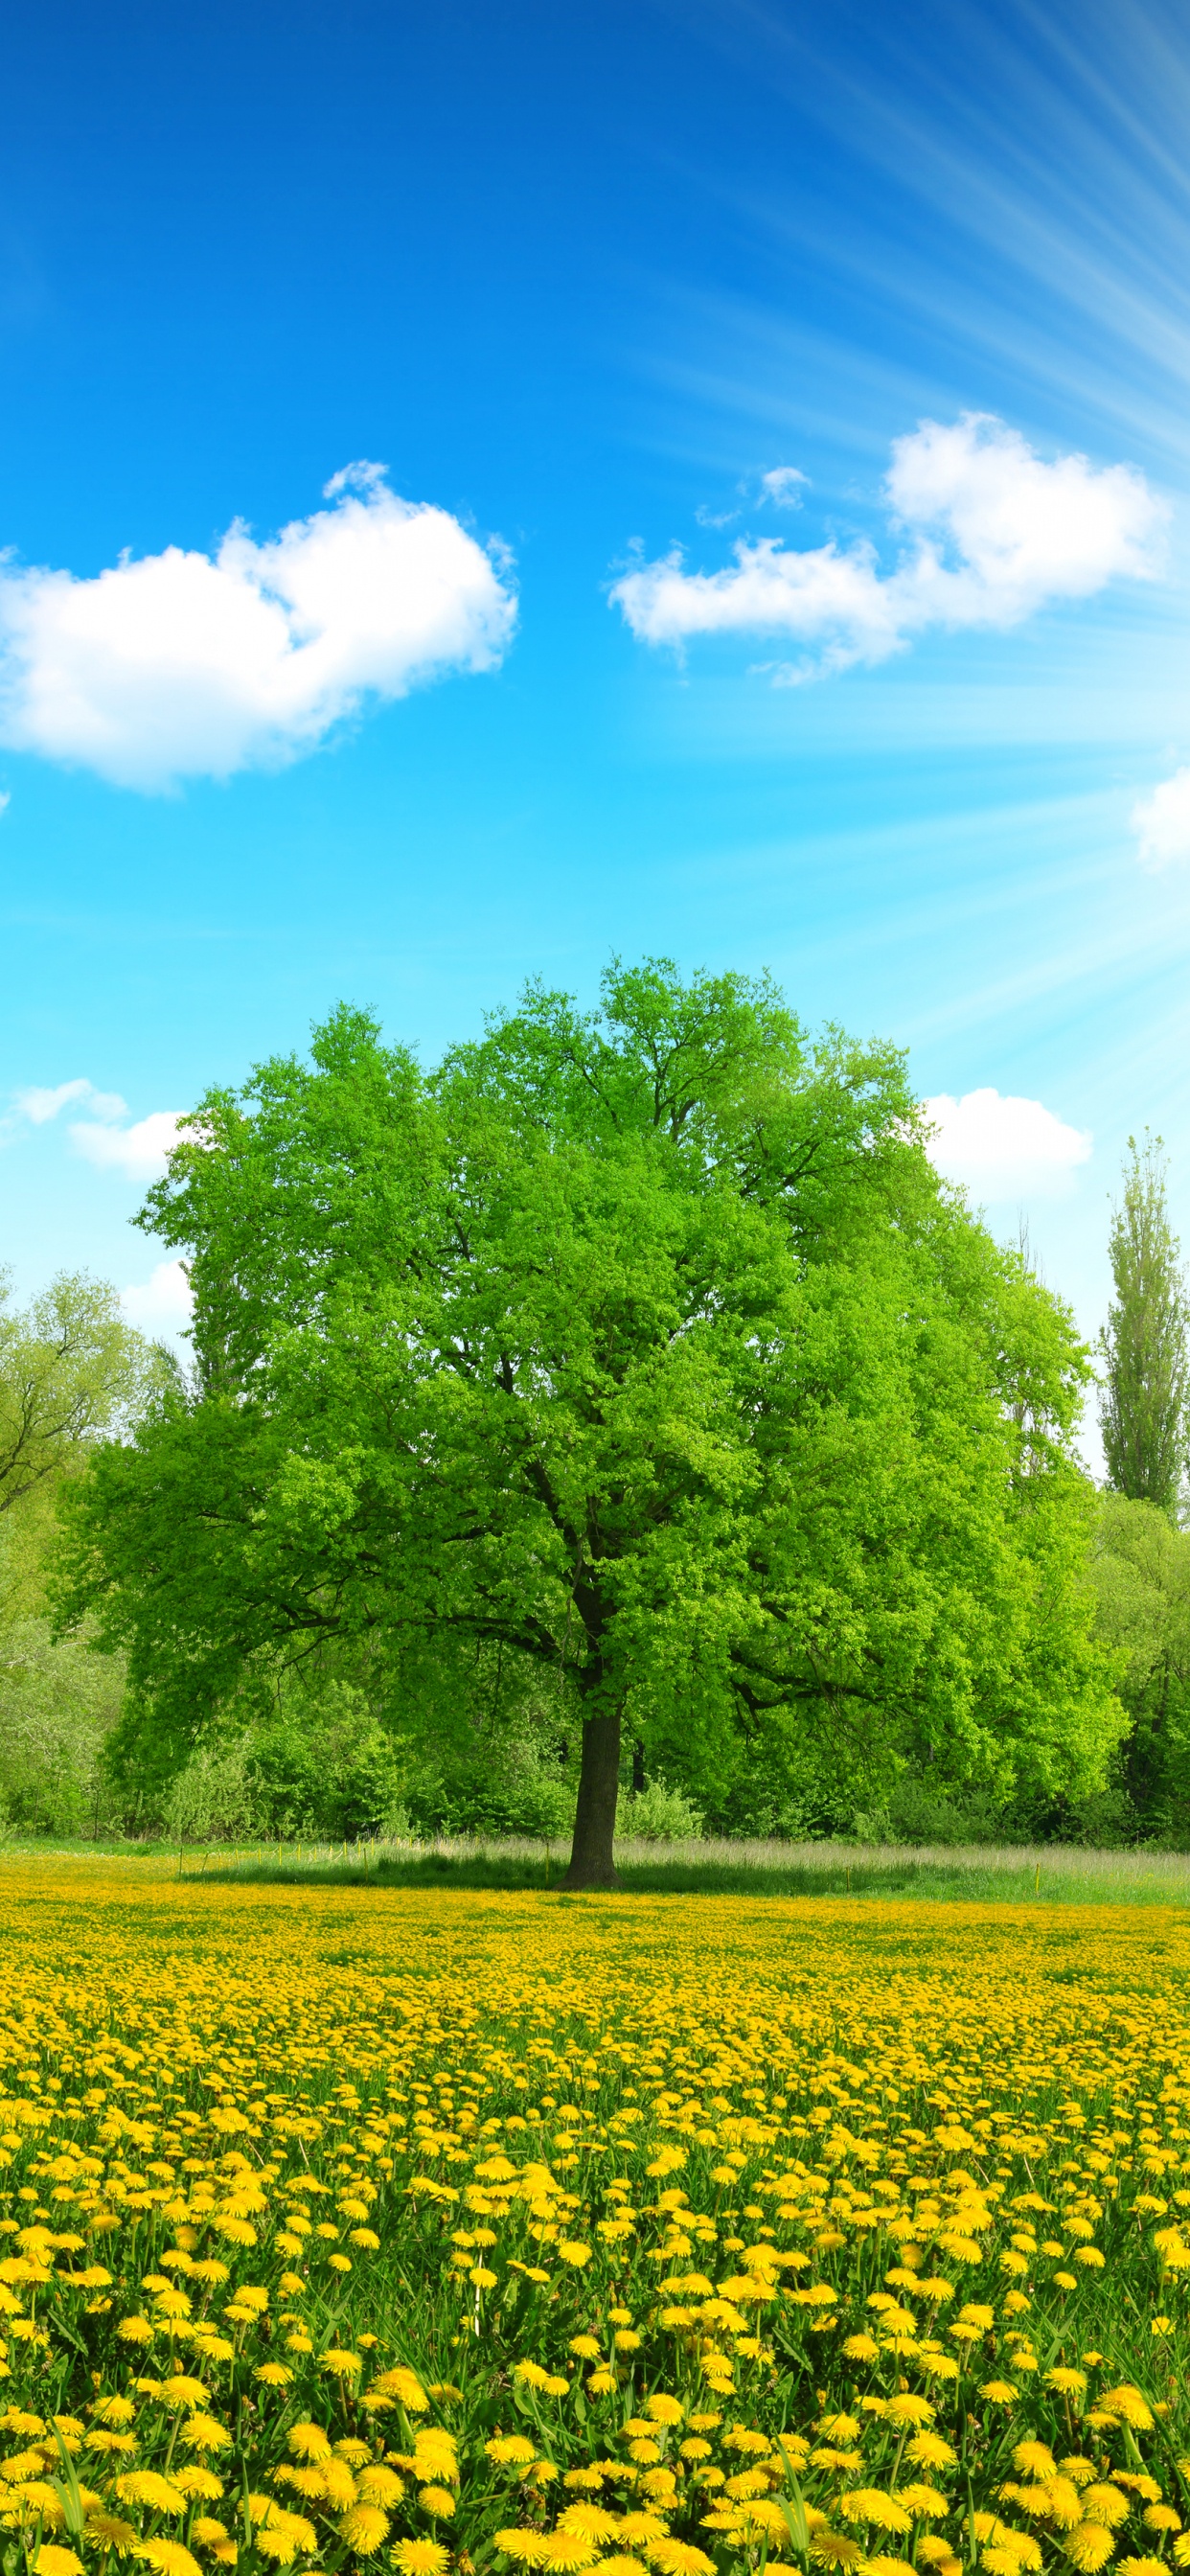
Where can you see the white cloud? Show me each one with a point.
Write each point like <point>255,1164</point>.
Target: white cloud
<point>782,484</point>
<point>1001,1146</point>
<point>1161,822</point>
<point>993,533</point>
<point>162,1305</point>
<point>185,665</point>
<point>138,1151</point>
<point>39,1105</point>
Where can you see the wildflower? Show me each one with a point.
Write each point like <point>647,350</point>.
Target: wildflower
<point>365,2527</point>
<point>421,2557</point>
<point>436,2500</point>
<point>507,2449</point>
<point>1035,2459</point>
<point>309,2441</point>
<point>567,2551</point>
<point>869,2504</point>
<point>50,2560</point>
<point>168,2558</point>
<point>1129,2407</point>
<point>591,2521</point>
<point>144,2486</point>
<point>203,2433</point>
<point>198,2482</point>
<point>1089,2546</point>
<point>924,2503</point>
<point>111,2531</point>
<point>929,2451</point>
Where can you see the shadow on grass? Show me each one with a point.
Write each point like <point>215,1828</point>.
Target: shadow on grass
<point>930,1881</point>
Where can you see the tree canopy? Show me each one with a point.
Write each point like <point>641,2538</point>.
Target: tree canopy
<point>641,1348</point>
<point>72,1372</point>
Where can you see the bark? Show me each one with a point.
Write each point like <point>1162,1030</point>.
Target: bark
<point>591,1861</point>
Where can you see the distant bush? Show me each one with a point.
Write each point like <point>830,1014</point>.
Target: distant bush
<point>658,1814</point>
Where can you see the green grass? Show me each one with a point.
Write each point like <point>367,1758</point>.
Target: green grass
<point>1052,1875</point>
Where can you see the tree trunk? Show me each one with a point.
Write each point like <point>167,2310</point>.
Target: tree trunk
<point>591,1862</point>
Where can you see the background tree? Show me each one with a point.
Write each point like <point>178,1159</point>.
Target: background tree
<point>1141,1574</point>
<point>72,1372</point>
<point>1144,1353</point>
<point>639,1354</point>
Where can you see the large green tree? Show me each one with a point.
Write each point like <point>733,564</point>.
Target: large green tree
<point>643,1346</point>
<point>1146,1366</point>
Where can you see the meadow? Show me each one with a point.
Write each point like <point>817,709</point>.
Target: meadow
<point>420,2228</point>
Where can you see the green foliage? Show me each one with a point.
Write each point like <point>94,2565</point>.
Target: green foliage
<point>72,1372</point>
<point>57,1706</point>
<point>640,1354</point>
<point>1141,1575</point>
<point>657,1814</point>
<point>1144,1350</point>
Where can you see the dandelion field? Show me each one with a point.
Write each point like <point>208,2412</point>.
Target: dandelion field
<point>427,2230</point>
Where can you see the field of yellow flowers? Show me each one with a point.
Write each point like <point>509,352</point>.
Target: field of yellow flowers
<point>430,2230</point>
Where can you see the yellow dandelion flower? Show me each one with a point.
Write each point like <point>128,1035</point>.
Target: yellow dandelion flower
<point>436,2500</point>
<point>309,2441</point>
<point>870,2504</point>
<point>591,2521</point>
<point>111,2531</point>
<point>567,2551</point>
<point>1035,2459</point>
<point>194,2481</point>
<point>405,2386</point>
<point>1105,2504</point>
<point>509,2450</point>
<point>365,2528</point>
<point>203,2433</point>
<point>145,2486</point>
<point>1089,2546</point>
<point>1127,2404</point>
<point>50,2560</point>
<point>380,2485</point>
<point>923,2502</point>
<point>663,2409</point>
<point>281,2535</point>
<point>168,2558</point>
<point>523,2547</point>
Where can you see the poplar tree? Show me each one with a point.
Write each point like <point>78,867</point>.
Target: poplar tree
<point>1146,1380</point>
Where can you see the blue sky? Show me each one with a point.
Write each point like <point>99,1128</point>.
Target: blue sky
<point>581,280</point>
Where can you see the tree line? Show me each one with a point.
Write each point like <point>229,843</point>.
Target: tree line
<point>621,1410</point>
